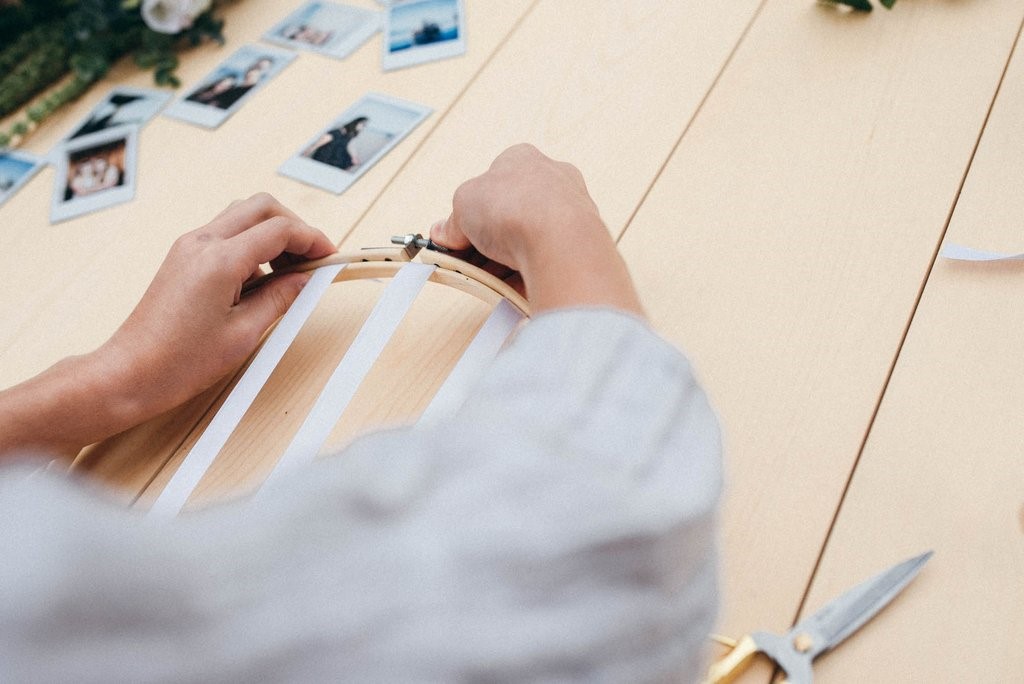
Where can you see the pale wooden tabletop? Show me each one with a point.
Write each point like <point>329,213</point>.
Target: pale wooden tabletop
<point>780,176</point>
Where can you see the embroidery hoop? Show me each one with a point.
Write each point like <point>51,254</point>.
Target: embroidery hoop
<point>507,309</point>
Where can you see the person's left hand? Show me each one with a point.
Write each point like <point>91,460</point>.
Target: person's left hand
<point>193,326</point>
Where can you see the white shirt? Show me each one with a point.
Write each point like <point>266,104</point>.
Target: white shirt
<point>561,526</point>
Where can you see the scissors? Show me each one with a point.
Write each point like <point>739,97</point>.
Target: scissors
<point>795,650</point>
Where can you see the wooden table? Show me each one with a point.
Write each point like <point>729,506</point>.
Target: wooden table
<point>779,175</point>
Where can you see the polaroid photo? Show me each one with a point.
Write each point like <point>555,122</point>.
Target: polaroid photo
<point>94,172</point>
<point>123,106</point>
<point>326,27</point>
<point>354,141</point>
<point>16,169</point>
<point>418,31</point>
<point>230,86</point>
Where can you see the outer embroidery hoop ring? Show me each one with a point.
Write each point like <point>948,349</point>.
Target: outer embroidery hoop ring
<point>384,262</point>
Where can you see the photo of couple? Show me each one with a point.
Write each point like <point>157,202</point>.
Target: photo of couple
<point>96,169</point>
<point>230,87</point>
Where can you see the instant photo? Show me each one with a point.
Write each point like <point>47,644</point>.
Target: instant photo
<point>417,31</point>
<point>354,141</point>
<point>94,172</point>
<point>328,28</point>
<point>16,169</point>
<point>230,86</point>
<point>123,106</point>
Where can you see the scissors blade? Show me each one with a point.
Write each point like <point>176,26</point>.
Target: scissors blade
<point>844,615</point>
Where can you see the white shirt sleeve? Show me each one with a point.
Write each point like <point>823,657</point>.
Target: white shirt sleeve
<point>560,526</point>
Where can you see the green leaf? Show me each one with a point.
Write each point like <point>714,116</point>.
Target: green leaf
<point>888,3</point>
<point>859,5</point>
<point>36,113</point>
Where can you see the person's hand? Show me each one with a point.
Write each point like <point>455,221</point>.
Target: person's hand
<point>190,329</point>
<point>535,215</point>
<point>193,326</point>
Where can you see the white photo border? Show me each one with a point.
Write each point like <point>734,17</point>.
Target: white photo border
<point>61,209</point>
<point>162,97</point>
<point>370,24</point>
<point>212,117</point>
<point>335,180</point>
<point>427,53</point>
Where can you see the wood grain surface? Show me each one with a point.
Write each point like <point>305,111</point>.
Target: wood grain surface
<point>779,175</point>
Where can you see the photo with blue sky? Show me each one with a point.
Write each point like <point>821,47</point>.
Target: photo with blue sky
<point>12,170</point>
<point>415,24</point>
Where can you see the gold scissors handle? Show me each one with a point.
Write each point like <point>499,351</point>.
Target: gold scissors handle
<point>734,662</point>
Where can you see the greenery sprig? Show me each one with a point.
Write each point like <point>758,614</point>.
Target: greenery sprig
<point>55,49</point>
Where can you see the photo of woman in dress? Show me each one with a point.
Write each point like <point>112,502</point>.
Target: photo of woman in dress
<point>353,141</point>
<point>335,147</point>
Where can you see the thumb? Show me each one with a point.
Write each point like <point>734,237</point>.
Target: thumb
<point>447,234</point>
<point>267,303</point>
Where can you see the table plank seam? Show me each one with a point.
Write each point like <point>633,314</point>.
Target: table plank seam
<point>693,117</point>
<point>907,327</point>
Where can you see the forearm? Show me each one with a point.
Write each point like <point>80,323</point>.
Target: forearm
<point>582,271</point>
<point>78,401</point>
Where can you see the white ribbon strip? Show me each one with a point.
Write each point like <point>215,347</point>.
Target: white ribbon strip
<point>357,362</point>
<point>485,346</point>
<point>961,253</point>
<point>209,444</point>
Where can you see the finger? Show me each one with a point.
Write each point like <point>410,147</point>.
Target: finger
<point>243,215</point>
<point>269,240</point>
<point>516,282</point>
<point>258,309</point>
<point>498,269</point>
<point>447,234</point>
<point>285,260</point>
<point>258,272</point>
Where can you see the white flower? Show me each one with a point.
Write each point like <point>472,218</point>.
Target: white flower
<point>172,16</point>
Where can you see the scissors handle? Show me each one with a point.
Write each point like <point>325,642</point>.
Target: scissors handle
<point>734,662</point>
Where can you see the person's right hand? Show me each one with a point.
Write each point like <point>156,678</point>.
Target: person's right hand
<point>535,215</point>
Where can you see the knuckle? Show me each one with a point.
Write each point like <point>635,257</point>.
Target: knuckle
<point>262,197</point>
<point>264,202</point>
<point>464,193</point>
<point>524,149</point>
<point>191,242</point>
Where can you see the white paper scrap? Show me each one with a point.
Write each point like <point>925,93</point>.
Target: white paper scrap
<point>961,253</point>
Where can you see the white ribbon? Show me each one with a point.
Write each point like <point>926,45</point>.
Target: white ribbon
<point>172,499</point>
<point>357,362</point>
<point>485,346</point>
